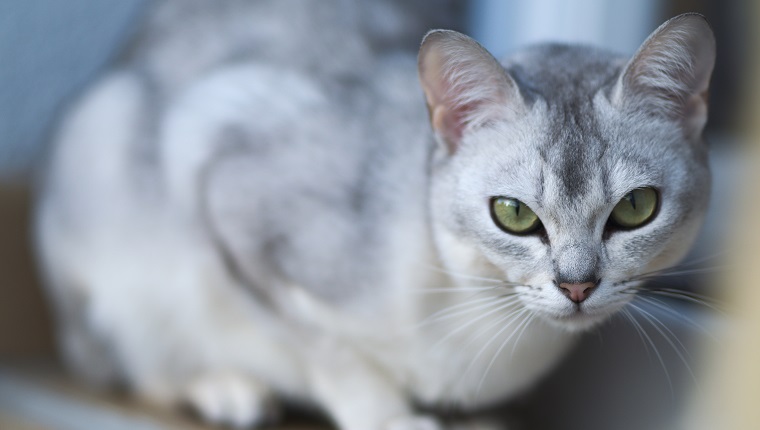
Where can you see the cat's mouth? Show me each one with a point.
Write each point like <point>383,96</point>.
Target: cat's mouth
<point>579,318</point>
<point>577,315</point>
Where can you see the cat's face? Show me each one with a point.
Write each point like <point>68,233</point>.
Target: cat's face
<point>578,240</point>
<point>565,176</point>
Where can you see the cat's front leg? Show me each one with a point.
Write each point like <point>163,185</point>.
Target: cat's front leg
<point>359,396</point>
<point>231,398</point>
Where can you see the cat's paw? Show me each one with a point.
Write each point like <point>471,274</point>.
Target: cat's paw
<point>232,399</point>
<point>415,422</point>
<point>479,425</point>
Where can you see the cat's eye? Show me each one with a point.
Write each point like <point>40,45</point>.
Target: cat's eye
<point>636,208</point>
<point>513,216</point>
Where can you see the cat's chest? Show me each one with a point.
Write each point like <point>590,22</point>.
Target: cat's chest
<point>475,360</point>
<point>448,350</point>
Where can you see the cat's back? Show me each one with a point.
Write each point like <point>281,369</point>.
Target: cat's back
<point>182,40</point>
<point>329,177</point>
<point>341,145</point>
<point>202,77</point>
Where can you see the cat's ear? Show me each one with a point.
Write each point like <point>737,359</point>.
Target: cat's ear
<point>670,73</point>
<point>465,86</point>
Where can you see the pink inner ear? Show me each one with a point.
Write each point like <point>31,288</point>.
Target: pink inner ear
<point>450,123</point>
<point>464,85</point>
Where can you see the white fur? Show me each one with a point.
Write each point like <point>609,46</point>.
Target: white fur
<point>168,278</point>
<point>157,290</point>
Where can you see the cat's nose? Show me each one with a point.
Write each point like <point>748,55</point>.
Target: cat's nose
<point>577,292</point>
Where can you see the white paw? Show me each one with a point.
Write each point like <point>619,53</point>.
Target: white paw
<point>417,422</point>
<point>478,425</point>
<point>231,399</point>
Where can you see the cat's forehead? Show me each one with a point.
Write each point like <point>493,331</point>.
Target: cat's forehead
<point>562,74</point>
<point>567,156</point>
<point>585,156</point>
<point>562,82</point>
<point>571,148</point>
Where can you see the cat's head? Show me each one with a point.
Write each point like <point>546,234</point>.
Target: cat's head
<point>567,169</point>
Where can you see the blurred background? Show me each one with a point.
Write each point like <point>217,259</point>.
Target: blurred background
<point>50,50</point>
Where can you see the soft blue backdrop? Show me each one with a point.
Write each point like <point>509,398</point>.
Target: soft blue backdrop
<point>48,50</point>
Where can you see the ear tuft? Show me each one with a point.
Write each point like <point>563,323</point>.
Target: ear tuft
<point>670,73</point>
<point>464,85</point>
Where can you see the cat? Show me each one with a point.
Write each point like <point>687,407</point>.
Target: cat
<point>227,228</point>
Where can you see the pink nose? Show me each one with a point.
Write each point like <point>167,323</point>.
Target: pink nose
<point>577,292</point>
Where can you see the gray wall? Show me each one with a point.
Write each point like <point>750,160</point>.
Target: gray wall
<point>48,50</point>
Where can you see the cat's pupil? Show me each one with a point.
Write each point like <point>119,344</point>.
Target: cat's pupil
<point>631,198</point>
<point>513,216</point>
<point>635,209</point>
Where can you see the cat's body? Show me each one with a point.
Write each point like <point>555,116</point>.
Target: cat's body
<point>265,228</point>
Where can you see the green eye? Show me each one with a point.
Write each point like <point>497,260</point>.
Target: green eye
<point>636,208</point>
<point>513,216</point>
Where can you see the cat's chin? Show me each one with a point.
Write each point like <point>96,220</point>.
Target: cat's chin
<point>577,321</point>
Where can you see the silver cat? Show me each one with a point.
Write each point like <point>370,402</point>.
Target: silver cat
<point>241,213</point>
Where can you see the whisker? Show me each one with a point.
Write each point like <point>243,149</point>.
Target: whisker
<point>463,308</point>
<point>483,330</point>
<point>656,323</point>
<point>473,299</point>
<point>639,330</point>
<point>690,297</point>
<point>677,292</point>
<point>464,289</point>
<point>669,309</point>
<point>687,293</point>
<point>512,316</point>
<point>659,357</point>
<point>652,318</point>
<point>503,305</point>
<point>459,275</point>
<point>680,269</point>
<point>525,320</point>
<point>703,259</point>
<point>517,340</point>
<point>666,274</point>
